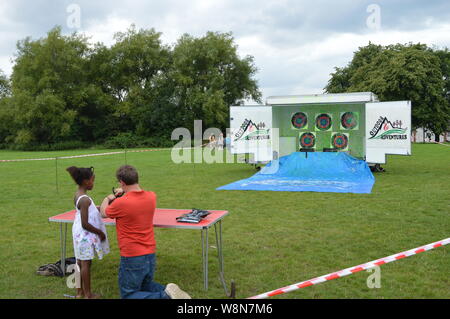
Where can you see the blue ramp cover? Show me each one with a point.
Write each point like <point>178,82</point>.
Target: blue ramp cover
<point>335,172</point>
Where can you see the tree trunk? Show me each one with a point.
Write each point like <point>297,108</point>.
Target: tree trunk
<point>436,137</point>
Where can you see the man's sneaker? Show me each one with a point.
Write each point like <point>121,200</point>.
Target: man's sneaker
<point>175,292</point>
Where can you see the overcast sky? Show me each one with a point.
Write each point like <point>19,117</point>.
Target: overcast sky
<point>296,44</point>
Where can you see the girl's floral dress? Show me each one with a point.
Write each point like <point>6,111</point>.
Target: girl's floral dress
<point>85,243</point>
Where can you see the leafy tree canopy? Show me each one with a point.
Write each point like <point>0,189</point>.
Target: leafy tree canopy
<point>64,88</point>
<point>401,72</point>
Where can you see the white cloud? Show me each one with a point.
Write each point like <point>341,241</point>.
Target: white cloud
<point>5,11</point>
<point>6,65</point>
<point>305,69</point>
<point>296,44</point>
<point>103,31</point>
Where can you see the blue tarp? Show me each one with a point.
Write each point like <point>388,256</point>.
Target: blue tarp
<point>335,172</point>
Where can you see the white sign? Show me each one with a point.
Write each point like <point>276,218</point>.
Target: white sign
<point>251,131</point>
<point>388,130</point>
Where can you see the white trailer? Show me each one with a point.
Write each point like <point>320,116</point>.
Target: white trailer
<point>356,123</point>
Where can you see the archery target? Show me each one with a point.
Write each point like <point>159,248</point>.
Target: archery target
<point>307,140</point>
<point>339,141</point>
<point>299,120</point>
<point>323,122</point>
<point>349,120</point>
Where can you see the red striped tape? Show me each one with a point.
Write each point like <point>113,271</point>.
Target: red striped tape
<point>352,270</point>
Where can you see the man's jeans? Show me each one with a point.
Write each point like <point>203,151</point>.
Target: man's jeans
<point>136,278</point>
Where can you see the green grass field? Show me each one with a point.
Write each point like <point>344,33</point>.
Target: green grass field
<point>271,239</point>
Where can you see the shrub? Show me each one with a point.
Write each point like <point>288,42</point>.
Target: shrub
<point>128,140</point>
<point>59,146</point>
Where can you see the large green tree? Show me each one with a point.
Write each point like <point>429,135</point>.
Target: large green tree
<point>5,86</point>
<point>51,95</point>
<point>5,111</point>
<point>64,88</point>
<point>132,65</point>
<point>400,72</point>
<point>444,57</point>
<point>208,76</point>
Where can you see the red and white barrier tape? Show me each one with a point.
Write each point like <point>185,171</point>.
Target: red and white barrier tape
<point>88,155</point>
<point>66,157</point>
<point>441,144</point>
<point>352,270</point>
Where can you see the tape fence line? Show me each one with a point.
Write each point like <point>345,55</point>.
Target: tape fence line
<point>90,155</point>
<point>352,270</point>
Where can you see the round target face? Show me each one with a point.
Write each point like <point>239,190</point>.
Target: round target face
<point>349,120</point>
<point>299,120</point>
<point>339,141</point>
<point>323,122</point>
<point>307,140</point>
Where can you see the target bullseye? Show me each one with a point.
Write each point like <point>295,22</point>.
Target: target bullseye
<point>339,141</point>
<point>323,122</point>
<point>299,120</point>
<point>349,120</point>
<point>307,140</point>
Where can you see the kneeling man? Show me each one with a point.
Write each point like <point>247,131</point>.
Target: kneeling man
<point>133,213</point>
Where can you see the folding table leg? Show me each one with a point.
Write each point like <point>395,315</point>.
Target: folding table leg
<point>205,256</point>
<point>61,243</point>
<point>63,259</point>
<point>221,247</point>
<point>63,238</point>
<point>220,255</point>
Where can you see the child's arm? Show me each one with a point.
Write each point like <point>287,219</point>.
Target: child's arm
<point>106,202</point>
<point>84,211</point>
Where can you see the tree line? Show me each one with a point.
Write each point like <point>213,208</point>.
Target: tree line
<point>64,89</point>
<point>67,92</point>
<point>413,72</point>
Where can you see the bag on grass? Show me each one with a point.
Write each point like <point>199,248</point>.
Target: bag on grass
<point>55,269</point>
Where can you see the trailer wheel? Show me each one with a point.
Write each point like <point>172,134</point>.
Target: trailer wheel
<point>377,168</point>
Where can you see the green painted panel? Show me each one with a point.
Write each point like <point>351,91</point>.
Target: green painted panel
<point>282,116</point>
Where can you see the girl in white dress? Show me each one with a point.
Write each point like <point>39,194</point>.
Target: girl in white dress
<point>89,232</point>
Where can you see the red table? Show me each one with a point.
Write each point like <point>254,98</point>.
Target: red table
<point>164,218</point>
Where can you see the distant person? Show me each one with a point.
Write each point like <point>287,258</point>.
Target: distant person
<point>88,230</point>
<point>134,213</point>
<point>212,141</point>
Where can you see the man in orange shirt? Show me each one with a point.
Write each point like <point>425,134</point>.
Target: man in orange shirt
<point>134,223</point>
